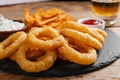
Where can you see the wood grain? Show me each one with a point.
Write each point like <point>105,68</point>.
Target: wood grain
<point>76,9</point>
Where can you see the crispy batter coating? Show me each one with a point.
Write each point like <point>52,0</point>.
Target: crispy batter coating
<point>45,61</point>
<point>82,37</point>
<point>78,57</point>
<point>95,32</point>
<point>34,37</point>
<point>11,44</point>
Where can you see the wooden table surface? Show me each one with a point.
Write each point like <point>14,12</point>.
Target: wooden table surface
<point>78,10</point>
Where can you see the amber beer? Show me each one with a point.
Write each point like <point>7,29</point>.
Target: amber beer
<point>106,9</point>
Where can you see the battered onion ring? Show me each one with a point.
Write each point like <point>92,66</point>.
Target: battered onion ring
<point>55,42</point>
<point>96,33</point>
<point>13,57</point>
<point>44,63</point>
<point>77,57</point>
<point>82,37</point>
<point>32,54</point>
<point>11,44</point>
<point>61,56</point>
<point>103,33</point>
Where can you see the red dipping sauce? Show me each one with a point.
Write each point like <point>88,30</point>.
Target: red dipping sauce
<point>92,22</point>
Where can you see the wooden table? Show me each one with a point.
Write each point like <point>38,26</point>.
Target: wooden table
<point>78,10</point>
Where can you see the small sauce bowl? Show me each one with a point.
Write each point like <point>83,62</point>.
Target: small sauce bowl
<point>5,34</point>
<point>92,22</point>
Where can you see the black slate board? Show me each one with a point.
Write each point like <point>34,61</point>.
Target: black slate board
<point>108,54</point>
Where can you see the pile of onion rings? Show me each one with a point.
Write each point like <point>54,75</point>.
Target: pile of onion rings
<point>38,48</point>
<point>82,43</point>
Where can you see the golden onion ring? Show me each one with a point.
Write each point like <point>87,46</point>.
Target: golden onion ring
<point>78,57</point>
<point>96,33</point>
<point>11,44</point>
<point>82,37</point>
<point>44,63</point>
<point>55,42</point>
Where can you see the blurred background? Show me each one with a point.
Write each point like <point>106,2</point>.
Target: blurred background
<point>9,2</point>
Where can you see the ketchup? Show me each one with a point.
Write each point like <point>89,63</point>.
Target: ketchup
<point>92,22</point>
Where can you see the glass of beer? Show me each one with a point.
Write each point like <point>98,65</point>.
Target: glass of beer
<point>106,9</point>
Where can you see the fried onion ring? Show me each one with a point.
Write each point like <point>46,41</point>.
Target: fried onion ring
<point>82,37</point>
<point>13,57</point>
<point>100,31</point>
<point>11,44</point>
<point>55,41</point>
<point>83,58</point>
<point>32,54</point>
<point>96,33</point>
<point>44,62</point>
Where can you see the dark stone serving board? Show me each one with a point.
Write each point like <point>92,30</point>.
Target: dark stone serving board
<point>108,54</point>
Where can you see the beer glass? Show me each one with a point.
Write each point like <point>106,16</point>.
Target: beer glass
<point>106,9</point>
